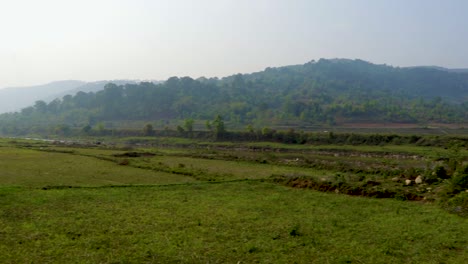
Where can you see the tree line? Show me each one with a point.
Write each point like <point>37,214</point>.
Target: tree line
<point>326,92</point>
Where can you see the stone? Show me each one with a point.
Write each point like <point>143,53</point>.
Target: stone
<point>419,180</point>
<point>396,179</point>
<point>408,182</point>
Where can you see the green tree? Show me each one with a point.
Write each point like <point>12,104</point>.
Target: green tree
<point>208,125</point>
<point>101,128</point>
<point>219,128</point>
<point>86,129</point>
<point>62,130</point>
<point>181,130</point>
<point>268,132</point>
<point>54,106</point>
<point>27,111</point>
<point>250,128</point>
<point>148,130</point>
<point>188,125</point>
<point>40,106</point>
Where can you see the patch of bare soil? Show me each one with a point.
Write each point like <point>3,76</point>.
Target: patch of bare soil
<point>403,125</point>
<point>134,155</point>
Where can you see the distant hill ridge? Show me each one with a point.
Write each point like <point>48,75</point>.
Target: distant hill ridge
<point>16,98</point>
<point>462,70</point>
<point>323,92</point>
<point>424,81</point>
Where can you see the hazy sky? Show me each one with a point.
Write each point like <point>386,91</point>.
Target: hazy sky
<point>48,40</point>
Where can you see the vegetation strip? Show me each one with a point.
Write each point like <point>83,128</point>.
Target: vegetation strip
<point>61,187</point>
<point>403,172</point>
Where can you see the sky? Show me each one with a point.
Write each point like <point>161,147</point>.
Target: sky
<point>89,40</point>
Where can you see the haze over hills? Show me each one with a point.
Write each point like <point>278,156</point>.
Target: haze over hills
<point>323,92</point>
<point>15,98</point>
<point>86,88</point>
<point>461,70</point>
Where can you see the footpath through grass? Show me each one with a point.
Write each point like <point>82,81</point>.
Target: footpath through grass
<point>244,222</point>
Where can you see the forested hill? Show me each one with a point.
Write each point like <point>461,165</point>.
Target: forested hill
<point>319,92</point>
<point>344,76</point>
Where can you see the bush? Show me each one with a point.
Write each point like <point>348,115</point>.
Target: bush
<point>437,175</point>
<point>458,204</point>
<point>459,181</point>
<point>440,172</point>
<point>457,184</point>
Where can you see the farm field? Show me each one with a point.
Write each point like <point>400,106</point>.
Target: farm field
<point>224,203</point>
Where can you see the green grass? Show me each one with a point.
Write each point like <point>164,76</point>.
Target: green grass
<point>222,223</point>
<point>179,207</point>
<point>182,162</point>
<point>25,167</point>
<point>222,170</point>
<point>407,149</point>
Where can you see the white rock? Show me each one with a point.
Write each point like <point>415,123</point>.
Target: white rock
<point>408,182</point>
<point>419,179</point>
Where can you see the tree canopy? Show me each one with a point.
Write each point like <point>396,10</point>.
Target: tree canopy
<point>318,92</point>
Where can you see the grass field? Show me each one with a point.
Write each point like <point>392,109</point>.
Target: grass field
<point>88,204</point>
<point>32,168</point>
<point>223,223</point>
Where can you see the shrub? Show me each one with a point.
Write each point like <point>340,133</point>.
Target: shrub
<point>459,180</point>
<point>438,174</point>
<point>457,184</point>
<point>458,204</point>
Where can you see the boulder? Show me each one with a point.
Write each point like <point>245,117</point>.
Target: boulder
<point>408,182</point>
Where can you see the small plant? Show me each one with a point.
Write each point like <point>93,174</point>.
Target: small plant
<point>253,249</point>
<point>294,231</point>
<point>340,180</point>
